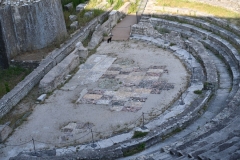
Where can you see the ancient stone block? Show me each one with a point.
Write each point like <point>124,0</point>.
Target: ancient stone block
<point>73,17</point>
<point>74,25</point>
<point>80,7</point>
<point>57,75</point>
<point>88,14</point>
<point>42,98</point>
<point>81,50</point>
<point>97,37</point>
<point>5,130</point>
<point>69,6</point>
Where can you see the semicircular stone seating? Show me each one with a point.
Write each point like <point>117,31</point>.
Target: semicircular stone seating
<point>217,47</point>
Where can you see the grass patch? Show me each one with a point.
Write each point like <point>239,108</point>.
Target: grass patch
<point>138,134</point>
<point>82,20</point>
<point>171,133</point>
<point>133,7</point>
<point>197,91</point>
<point>214,10</point>
<point>110,2</point>
<point>135,150</point>
<point>10,77</point>
<point>118,4</point>
<point>162,30</point>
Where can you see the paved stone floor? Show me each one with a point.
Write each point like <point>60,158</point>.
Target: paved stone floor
<point>107,94</point>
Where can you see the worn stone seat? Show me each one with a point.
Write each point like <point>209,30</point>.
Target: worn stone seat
<point>234,68</point>
<point>203,33</point>
<point>207,26</point>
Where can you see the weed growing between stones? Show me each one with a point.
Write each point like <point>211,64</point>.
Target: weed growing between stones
<point>10,77</point>
<point>197,91</point>
<point>139,134</point>
<point>131,151</point>
<point>118,4</point>
<point>214,10</point>
<point>133,7</point>
<point>175,131</point>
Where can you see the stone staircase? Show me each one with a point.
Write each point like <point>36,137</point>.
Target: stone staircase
<point>219,137</point>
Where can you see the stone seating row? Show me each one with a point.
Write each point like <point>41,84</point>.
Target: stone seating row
<point>205,25</point>
<point>210,18</point>
<point>189,112</point>
<point>233,100</point>
<point>219,48</point>
<point>203,33</point>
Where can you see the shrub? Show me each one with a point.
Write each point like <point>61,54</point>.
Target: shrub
<point>138,134</point>
<point>198,92</point>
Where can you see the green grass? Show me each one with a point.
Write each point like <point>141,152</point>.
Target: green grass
<point>10,77</point>
<point>133,7</point>
<point>175,131</point>
<point>138,134</point>
<point>110,2</point>
<point>82,20</point>
<point>118,4</point>
<point>132,151</point>
<point>206,8</point>
<point>197,91</point>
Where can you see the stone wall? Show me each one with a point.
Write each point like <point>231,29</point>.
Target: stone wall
<point>39,24</point>
<point>22,89</point>
<point>30,26</point>
<point>228,4</point>
<point>8,39</point>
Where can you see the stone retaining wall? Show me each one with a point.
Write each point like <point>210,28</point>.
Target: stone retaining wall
<point>8,39</point>
<point>30,27</point>
<point>22,89</point>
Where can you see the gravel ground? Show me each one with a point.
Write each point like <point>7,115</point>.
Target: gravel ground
<point>64,118</point>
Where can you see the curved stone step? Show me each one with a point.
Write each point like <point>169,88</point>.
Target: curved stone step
<point>205,25</point>
<point>220,152</point>
<point>211,19</point>
<point>198,50</point>
<point>203,34</point>
<point>204,149</point>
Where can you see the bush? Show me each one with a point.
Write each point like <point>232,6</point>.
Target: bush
<point>110,2</point>
<point>198,92</point>
<point>132,151</point>
<point>118,5</point>
<point>138,134</point>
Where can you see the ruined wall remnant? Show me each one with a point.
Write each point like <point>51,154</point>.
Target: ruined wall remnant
<point>30,26</point>
<point>144,28</point>
<point>8,39</point>
<point>39,24</point>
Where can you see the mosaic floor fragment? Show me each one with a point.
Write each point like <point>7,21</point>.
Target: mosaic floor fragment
<point>125,88</point>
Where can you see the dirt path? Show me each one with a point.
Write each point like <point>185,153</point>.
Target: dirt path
<point>122,30</point>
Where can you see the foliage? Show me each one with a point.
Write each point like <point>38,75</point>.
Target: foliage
<point>118,4</point>
<point>132,151</point>
<point>133,7</point>
<point>214,10</point>
<point>197,92</point>
<point>110,2</point>
<point>138,134</point>
<point>10,77</point>
<point>82,20</point>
